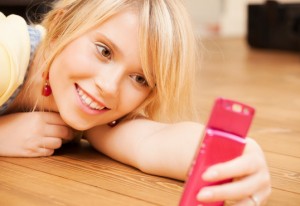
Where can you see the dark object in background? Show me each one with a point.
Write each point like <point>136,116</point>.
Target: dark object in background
<point>274,25</point>
<point>31,10</point>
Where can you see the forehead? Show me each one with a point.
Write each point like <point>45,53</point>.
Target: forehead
<point>121,30</point>
<point>122,24</point>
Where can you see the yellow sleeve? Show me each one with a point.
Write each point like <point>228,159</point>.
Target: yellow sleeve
<point>14,54</point>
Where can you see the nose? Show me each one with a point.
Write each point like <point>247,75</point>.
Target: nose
<point>108,81</point>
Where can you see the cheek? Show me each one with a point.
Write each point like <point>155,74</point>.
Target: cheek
<point>75,60</point>
<point>66,68</point>
<point>132,99</point>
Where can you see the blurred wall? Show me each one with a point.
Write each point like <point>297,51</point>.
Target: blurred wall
<point>222,17</point>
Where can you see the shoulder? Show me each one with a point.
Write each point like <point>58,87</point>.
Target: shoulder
<point>14,54</point>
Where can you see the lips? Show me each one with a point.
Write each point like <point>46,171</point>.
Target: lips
<point>89,101</point>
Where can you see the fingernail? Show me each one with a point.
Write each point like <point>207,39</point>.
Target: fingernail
<point>210,175</point>
<point>204,194</point>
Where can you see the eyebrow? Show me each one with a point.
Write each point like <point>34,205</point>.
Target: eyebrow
<point>110,42</point>
<point>113,45</point>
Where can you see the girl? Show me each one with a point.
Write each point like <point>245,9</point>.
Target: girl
<point>120,71</point>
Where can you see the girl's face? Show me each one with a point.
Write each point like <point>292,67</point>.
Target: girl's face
<point>98,78</point>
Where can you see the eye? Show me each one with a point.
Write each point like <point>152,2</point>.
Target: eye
<point>103,51</point>
<point>140,80</point>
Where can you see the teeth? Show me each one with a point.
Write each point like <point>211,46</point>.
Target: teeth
<point>88,101</point>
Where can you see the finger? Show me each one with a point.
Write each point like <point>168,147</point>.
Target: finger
<point>38,152</point>
<point>50,143</point>
<point>44,152</point>
<point>63,132</point>
<point>252,145</point>
<point>54,118</point>
<point>43,146</point>
<point>245,202</point>
<point>259,198</point>
<point>234,190</point>
<point>238,167</point>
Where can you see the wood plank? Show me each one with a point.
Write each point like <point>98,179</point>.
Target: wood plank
<point>283,198</point>
<point>40,188</point>
<point>285,180</point>
<point>88,167</point>
<point>285,172</point>
<point>278,198</point>
<point>283,161</point>
<point>280,143</point>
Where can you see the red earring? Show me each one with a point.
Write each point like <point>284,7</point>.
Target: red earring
<point>46,91</point>
<point>113,123</point>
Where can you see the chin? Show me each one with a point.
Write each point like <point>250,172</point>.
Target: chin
<point>80,127</point>
<point>77,125</point>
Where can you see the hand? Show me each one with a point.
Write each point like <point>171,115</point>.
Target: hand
<point>251,179</point>
<point>32,134</point>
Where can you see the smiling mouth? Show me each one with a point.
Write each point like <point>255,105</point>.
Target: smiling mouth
<point>88,100</point>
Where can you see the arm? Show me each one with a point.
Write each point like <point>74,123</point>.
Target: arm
<point>168,149</point>
<point>155,148</point>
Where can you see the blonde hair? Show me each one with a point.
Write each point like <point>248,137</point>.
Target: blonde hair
<point>168,48</point>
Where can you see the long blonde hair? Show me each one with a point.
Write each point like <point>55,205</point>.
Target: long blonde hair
<point>168,48</point>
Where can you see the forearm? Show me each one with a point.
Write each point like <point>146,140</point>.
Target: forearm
<point>169,152</point>
<point>155,148</point>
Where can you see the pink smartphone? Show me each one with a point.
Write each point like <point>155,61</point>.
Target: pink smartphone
<point>223,140</point>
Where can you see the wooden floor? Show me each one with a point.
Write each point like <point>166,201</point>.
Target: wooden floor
<point>78,175</point>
